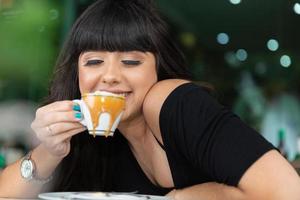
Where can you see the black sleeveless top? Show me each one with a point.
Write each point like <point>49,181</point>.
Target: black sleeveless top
<point>204,142</point>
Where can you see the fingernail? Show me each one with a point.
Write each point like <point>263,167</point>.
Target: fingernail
<point>76,107</point>
<point>78,115</point>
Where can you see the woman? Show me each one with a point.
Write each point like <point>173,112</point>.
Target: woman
<point>173,138</point>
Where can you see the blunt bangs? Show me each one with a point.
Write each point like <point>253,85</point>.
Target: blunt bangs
<point>121,28</point>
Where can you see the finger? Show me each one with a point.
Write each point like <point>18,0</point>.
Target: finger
<point>43,131</point>
<point>57,117</point>
<point>58,106</point>
<point>59,128</point>
<point>66,136</point>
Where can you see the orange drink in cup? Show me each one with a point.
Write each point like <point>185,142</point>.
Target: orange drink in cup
<point>102,112</point>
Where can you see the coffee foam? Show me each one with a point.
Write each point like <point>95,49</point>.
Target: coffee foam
<point>103,93</point>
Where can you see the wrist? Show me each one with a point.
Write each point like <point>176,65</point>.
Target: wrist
<point>45,162</point>
<point>48,155</point>
<point>29,170</point>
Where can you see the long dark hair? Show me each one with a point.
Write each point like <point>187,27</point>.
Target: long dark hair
<point>110,25</point>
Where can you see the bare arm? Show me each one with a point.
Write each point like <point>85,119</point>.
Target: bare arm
<point>269,178</point>
<point>13,185</point>
<point>208,191</point>
<point>55,145</point>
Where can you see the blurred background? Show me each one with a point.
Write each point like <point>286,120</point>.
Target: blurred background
<point>247,49</point>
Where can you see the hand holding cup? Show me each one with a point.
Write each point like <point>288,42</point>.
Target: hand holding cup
<point>55,124</point>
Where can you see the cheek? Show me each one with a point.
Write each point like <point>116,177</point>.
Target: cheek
<point>86,81</point>
<point>151,77</point>
<point>143,79</point>
<point>148,75</point>
<point>81,80</point>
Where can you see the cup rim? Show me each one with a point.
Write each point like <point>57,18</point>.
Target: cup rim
<point>103,93</point>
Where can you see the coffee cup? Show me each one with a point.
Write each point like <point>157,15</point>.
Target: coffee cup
<point>102,112</point>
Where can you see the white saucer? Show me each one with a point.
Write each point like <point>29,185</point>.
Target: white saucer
<point>98,196</point>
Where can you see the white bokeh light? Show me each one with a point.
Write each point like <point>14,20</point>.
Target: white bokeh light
<point>235,1</point>
<point>285,61</point>
<point>223,38</point>
<point>241,54</point>
<point>297,8</point>
<point>273,45</point>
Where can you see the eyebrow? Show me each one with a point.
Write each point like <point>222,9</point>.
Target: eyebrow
<point>83,55</point>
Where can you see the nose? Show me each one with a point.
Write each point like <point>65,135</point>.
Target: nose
<point>111,75</point>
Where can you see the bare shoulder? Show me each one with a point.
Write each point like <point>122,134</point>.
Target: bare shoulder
<point>159,92</point>
<point>155,99</point>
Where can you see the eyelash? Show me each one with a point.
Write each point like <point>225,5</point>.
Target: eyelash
<point>93,62</point>
<point>131,62</point>
<point>125,62</point>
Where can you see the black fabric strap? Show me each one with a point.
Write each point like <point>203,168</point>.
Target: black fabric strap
<point>160,144</point>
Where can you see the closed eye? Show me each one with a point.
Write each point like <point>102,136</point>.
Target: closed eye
<point>131,62</point>
<point>93,62</point>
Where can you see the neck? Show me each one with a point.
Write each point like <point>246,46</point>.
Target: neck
<point>134,131</point>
